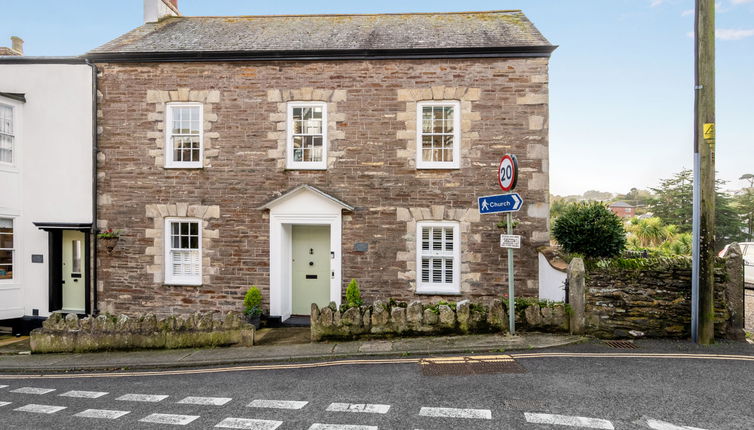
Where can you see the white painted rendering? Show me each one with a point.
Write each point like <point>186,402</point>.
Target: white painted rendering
<point>156,9</point>
<point>551,281</point>
<point>51,177</point>
<point>302,206</point>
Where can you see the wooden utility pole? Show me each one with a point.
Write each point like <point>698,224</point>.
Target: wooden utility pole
<point>704,160</point>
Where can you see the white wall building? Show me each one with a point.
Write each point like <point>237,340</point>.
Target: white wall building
<point>46,186</point>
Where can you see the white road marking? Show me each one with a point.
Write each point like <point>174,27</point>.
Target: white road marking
<point>3,386</point>
<point>566,420</point>
<point>248,424</point>
<point>178,420</point>
<point>40,409</point>
<point>32,390</point>
<point>484,414</point>
<point>4,404</point>
<point>662,425</point>
<point>358,407</point>
<point>153,398</point>
<point>101,413</point>
<point>277,404</point>
<point>214,401</point>
<point>84,394</point>
<point>318,426</point>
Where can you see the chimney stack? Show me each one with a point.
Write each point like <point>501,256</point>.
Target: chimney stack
<point>17,44</point>
<point>155,10</point>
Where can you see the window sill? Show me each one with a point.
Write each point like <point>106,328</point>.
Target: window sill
<point>429,292</point>
<point>293,168</point>
<point>184,167</point>
<point>181,284</point>
<point>438,167</point>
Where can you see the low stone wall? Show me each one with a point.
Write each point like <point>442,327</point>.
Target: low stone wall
<point>108,332</point>
<point>652,296</point>
<point>383,319</point>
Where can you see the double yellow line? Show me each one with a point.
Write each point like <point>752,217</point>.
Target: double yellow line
<point>361,362</point>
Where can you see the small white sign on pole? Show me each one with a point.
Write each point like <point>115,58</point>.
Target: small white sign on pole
<point>510,241</point>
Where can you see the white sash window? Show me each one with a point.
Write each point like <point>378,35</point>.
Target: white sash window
<point>6,248</point>
<point>183,251</point>
<point>184,134</point>
<point>307,135</point>
<point>438,258</point>
<point>438,140</point>
<point>7,135</point>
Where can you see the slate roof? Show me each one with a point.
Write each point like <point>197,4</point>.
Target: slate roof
<point>621,204</point>
<point>178,36</point>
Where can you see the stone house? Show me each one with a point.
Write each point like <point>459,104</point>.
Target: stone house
<point>298,152</point>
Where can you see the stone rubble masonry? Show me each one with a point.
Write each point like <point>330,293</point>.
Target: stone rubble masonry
<point>107,332</point>
<point>419,319</point>
<point>372,167</point>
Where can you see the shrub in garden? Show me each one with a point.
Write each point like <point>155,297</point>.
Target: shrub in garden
<point>252,302</point>
<point>590,229</point>
<point>353,294</point>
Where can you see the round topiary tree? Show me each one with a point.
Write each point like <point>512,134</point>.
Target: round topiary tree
<point>590,229</point>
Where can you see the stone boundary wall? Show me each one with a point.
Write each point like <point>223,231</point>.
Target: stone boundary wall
<point>385,319</point>
<point>652,296</point>
<point>109,332</point>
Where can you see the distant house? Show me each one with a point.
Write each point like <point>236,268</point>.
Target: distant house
<point>297,152</point>
<point>623,209</point>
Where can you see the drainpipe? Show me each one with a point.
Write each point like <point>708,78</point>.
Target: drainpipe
<point>94,308</point>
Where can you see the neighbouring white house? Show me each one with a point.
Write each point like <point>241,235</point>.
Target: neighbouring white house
<point>46,188</point>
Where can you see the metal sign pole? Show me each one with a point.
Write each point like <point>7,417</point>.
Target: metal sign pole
<point>511,298</point>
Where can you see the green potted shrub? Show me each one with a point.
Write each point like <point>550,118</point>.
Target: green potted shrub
<point>252,306</point>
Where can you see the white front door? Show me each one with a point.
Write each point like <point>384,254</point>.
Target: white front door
<point>310,267</point>
<point>74,276</point>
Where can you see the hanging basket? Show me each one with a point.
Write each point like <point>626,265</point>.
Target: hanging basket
<point>108,243</point>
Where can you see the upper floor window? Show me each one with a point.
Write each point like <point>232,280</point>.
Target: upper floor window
<point>183,148</point>
<point>438,137</point>
<point>307,135</point>
<point>183,251</point>
<point>6,248</point>
<point>438,255</point>
<point>7,135</point>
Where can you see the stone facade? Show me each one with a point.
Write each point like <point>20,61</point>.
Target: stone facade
<point>371,166</point>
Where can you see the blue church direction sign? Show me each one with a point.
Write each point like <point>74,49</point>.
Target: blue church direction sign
<point>500,203</point>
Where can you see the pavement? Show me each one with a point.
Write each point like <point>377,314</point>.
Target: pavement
<point>276,345</point>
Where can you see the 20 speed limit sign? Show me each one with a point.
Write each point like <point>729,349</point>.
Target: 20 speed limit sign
<point>507,173</point>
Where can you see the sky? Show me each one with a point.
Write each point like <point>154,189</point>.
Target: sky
<point>621,80</point>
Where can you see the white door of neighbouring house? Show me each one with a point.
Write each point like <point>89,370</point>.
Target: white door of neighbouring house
<point>310,267</point>
<point>73,276</point>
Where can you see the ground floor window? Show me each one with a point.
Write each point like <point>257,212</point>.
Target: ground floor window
<point>183,251</point>
<point>6,248</point>
<point>438,258</point>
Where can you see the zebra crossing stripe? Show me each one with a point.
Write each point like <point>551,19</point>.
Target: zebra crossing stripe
<point>358,407</point>
<point>32,390</point>
<point>566,420</point>
<point>3,386</point>
<point>213,401</point>
<point>40,409</point>
<point>318,426</point>
<point>84,394</point>
<point>484,414</point>
<point>152,398</point>
<point>248,424</point>
<point>101,413</point>
<point>178,420</point>
<point>4,404</point>
<point>277,404</point>
<point>662,425</point>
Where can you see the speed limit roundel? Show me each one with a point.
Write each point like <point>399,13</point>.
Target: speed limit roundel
<point>507,173</point>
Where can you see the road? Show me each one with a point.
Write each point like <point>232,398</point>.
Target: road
<point>582,386</point>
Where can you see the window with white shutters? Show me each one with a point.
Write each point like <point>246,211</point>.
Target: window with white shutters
<point>438,258</point>
<point>184,127</point>
<point>183,252</point>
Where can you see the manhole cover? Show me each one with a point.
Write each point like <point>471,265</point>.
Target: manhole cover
<point>621,344</point>
<point>470,365</point>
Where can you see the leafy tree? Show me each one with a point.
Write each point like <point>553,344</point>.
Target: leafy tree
<point>590,229</point>
<point>673,204</point>
<point>598,195</point>
<point>744,207</point>
<point>650,232</point>
<point>748,177</point>
<point>557,206</point>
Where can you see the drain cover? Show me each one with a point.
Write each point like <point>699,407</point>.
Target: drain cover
<point>621,344</point>
<point>470,365</point>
